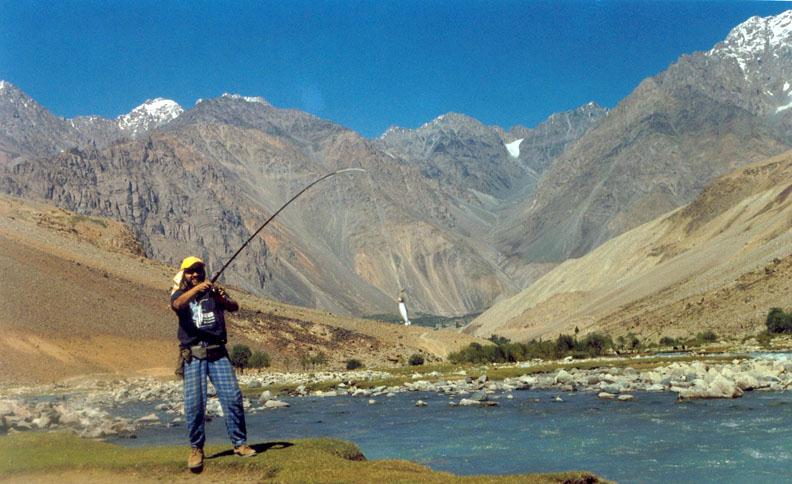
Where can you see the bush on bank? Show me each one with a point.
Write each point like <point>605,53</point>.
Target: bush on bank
<point>594,344</point>
<point>778,321</point>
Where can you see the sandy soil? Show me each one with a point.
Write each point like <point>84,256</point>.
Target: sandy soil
<point>77,297</point>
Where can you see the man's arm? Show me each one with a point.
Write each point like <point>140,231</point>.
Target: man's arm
<point>228,304</point>
<point>182,301</point>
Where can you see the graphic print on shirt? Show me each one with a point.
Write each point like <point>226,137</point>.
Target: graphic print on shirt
<point>203,315</point>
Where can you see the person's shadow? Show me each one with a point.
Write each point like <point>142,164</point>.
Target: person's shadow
<point>259,448</point>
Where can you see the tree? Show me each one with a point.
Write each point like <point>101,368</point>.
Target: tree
<point>417,360</point>
<point>778,321</point>
<point>240,356</point>
<point>667,341</point>
<point>564,344</point>
<point>259,359</point>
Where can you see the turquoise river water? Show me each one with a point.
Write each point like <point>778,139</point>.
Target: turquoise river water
<point>651,439</point>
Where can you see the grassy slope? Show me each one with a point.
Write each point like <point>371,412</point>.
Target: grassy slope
<point>36,456</point>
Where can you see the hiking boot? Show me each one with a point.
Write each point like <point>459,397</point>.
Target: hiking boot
<point>195,461</point>
<point>244,450</point>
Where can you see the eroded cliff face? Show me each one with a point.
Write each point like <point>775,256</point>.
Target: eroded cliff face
<point>718,263</point>
<point>704,116</point>
<point>208,179</point>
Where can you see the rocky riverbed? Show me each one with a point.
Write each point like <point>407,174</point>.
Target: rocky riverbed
<point>90,408</point>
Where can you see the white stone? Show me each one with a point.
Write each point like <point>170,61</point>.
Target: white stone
<point>275,404</point>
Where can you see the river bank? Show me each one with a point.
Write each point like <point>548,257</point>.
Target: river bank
<point>89,407</point>
<point>28,458</point>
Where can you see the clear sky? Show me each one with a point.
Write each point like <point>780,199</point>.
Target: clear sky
<point>364,64</point>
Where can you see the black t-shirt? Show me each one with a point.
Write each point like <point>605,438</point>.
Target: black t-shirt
<point>202,319</point>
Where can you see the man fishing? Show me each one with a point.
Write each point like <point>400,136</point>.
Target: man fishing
<point>202,338</point>
<point>200,306</point>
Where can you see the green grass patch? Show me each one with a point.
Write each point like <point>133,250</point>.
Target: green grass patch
<point>300,460</point>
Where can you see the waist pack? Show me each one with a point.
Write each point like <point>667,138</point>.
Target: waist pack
<point>211,352</point>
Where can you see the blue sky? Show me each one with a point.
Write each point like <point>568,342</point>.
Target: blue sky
<point>364,64</point>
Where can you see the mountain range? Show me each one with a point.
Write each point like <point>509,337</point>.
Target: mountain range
<point>456,213</point>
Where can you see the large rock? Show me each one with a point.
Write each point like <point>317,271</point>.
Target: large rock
<point>275,404</point>
<point>563,377</point>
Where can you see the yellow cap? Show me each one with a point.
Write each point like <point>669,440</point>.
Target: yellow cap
<point>190,261</point>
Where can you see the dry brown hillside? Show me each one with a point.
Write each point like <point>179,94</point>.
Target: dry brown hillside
<point>78,297</point>
<point>718,263</point>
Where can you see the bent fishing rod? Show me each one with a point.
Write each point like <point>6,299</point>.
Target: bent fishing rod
<point>346,170</point>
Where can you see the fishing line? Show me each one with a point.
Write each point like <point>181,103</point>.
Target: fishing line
<point>216,276</point>
<point>381,218</point>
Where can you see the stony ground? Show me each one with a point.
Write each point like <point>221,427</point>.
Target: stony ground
<point>86,407</point>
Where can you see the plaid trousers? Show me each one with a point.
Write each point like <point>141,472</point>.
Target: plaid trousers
<point>221,374</point>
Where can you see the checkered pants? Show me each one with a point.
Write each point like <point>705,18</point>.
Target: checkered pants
<point>222,377</point>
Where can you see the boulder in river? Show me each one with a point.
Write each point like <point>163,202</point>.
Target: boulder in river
<point>148,419</point>
<point>275,404</point>
<point>563,377</point>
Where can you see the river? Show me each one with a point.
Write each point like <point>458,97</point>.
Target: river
<point>650,439</point>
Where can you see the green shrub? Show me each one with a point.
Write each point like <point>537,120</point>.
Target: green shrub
<point>416,360</point>
<point>633,342</point>
<point>594,344</point>
<point>564,344</point>
<point>778,321</point>
<point>709,336</point>
<point>308,361</point>
<point>259,359</point>
<point>667,341</point>
<point>499,340</point>
<point>240,356</point>
<point>354,364</point>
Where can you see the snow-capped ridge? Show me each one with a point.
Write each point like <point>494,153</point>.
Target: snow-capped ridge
<point>393,130</point>
<point>250,99</point>
<point>755,37</point>
<point>151,114</point>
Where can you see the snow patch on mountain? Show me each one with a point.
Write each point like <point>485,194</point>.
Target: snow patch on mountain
<point>393,130</point>
<point>250,99</point>
<point>757,36</point>
<point>151,114</point>
<point>784,107</point>
<point>514,147</point>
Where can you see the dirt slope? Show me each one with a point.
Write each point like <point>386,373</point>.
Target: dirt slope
<point>718,263</point>
<point>77,297</point>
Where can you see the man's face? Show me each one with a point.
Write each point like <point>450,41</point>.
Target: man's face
<point>195,274</point>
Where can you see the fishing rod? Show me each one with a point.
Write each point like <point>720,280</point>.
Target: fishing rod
<point>346,170</point>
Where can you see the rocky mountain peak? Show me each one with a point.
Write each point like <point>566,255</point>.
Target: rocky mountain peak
<point>27,128</point>
<point>755,64</point>
<point>250,99</point>
<point>756,37</point>
<point>452,120</point>
<point>538,146</point>
<point>9,92</point>
<point>149,115</point>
